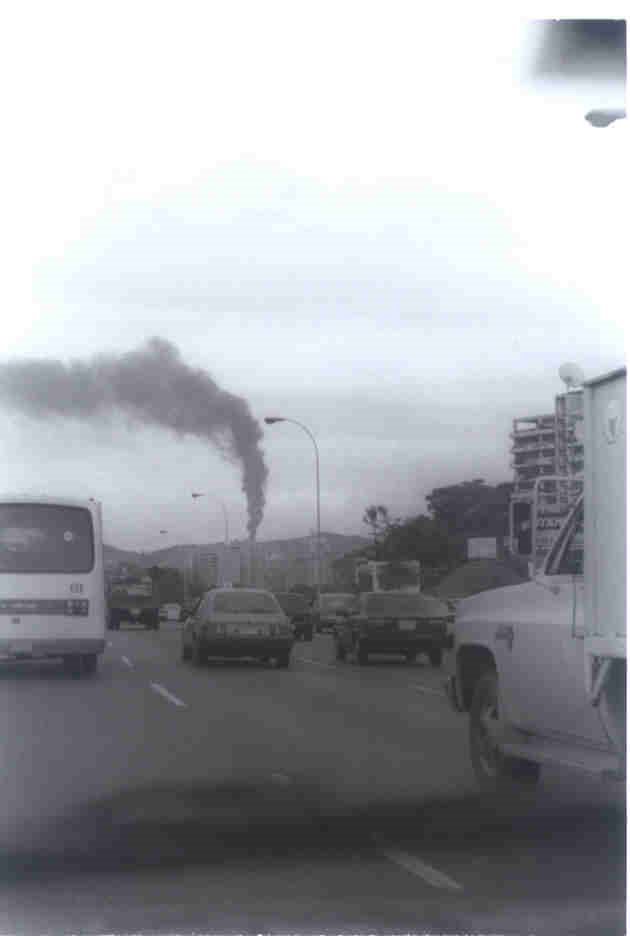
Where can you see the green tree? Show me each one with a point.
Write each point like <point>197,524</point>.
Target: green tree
<point>471,508</point>
<point>419,538</point>
<point>378,519</point>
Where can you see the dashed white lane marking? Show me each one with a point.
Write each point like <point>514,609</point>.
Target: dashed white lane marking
<point>167,695</point>
<point>127,662</point>
<point>418,688</point>
<point>412,864</point>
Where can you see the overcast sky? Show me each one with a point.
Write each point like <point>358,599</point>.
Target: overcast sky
<point>348,214</point>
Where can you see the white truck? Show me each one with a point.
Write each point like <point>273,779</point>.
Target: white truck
<point>395,575</point>
<point>541,667</point>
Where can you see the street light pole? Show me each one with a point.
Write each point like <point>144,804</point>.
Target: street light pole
<point>270,420</point>
<point>197,494</point>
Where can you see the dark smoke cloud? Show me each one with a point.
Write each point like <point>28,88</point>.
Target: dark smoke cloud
<point>154,386</point>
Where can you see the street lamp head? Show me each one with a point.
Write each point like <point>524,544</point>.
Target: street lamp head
<point>602,117</point>
<point>163,531</point>
<point>270,420</point>
<point>195,495</point>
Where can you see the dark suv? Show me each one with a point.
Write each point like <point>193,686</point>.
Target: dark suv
<point>298,611</point>
<point>394,622</point>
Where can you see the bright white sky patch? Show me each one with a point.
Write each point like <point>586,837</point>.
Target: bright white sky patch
<point>317,204</point>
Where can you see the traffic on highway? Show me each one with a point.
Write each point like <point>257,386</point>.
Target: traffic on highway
<point>313,550</point>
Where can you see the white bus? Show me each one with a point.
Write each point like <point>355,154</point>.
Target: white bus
<point>52,581</point>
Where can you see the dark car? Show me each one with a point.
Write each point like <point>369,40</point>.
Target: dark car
<point>237,622</point>
<point>329,609</point>
<point>298,611</point>
<point>394,622</point>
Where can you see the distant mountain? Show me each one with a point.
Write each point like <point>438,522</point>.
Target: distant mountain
<point>176,557</point>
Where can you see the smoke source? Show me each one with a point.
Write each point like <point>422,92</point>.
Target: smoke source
<point>154,386</point>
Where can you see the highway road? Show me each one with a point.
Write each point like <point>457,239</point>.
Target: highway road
<point>156,797</point>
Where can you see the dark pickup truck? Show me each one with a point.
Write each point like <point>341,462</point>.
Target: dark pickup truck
<point>133,600</point>
<point>298,611</point>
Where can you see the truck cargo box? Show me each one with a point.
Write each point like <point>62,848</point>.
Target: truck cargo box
<point>605,515</point>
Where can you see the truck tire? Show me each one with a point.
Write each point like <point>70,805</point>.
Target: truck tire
<point>435,656</point>
<point>185,653</point>
<point>340,652</point>
<point>197,655</point>
<point>494,771</point>
<point>282,661</point>
<point>362,654</point>
<point>72,666</point>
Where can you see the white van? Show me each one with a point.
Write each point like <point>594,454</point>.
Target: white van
<point>52,581</point>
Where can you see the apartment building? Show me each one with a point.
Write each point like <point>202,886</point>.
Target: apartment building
<point>546,445</point>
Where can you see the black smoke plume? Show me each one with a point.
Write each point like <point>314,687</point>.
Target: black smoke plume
<point>154,386</point>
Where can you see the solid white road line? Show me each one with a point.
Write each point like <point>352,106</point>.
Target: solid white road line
<point>412,864</point>
<point>127,662</point>
<point>167,695</point>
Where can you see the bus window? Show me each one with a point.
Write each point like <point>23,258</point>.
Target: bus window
<point>46,538</point>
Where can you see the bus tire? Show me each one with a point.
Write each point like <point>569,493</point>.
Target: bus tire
<point>89,663</point>
<point>197,655</point>
<point>73,665</point>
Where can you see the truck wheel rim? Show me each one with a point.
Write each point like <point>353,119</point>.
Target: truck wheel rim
<point>488,748</point>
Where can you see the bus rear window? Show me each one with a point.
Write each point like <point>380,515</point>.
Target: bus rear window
<point>45,538</point>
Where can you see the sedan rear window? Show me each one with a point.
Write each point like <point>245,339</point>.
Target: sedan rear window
<point>245,603</point>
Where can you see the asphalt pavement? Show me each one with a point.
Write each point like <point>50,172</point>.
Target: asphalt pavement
<point>157,797</point>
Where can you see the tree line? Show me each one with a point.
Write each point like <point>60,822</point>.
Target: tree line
<point>437,538</point>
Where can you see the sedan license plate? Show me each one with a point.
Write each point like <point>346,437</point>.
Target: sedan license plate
<point>407,625</point>
<point>246,630</point>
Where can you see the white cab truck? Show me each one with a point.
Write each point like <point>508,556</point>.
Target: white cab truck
<point>541,667</point>
<point>396,575</point>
